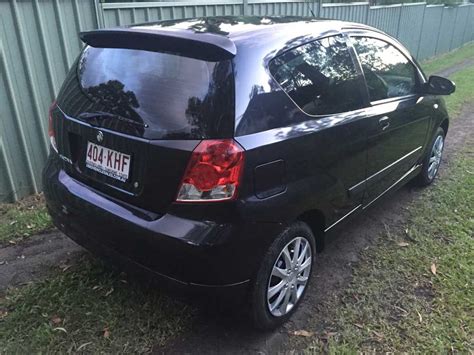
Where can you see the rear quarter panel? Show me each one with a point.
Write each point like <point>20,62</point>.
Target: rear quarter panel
<point>311,162</point>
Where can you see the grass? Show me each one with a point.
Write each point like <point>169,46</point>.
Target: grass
<point>85,307</point>
<point>464,80</point>
<point>23,219</point>
<point>448,60</point>
<point>413,290</point>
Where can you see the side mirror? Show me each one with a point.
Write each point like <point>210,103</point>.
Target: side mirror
<point>438,85</point>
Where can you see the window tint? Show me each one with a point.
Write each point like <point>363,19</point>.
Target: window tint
<point>387,71</point>
<point>176,96</point>
<point>320,77</point>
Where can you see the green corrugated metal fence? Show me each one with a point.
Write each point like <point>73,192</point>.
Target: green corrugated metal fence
<point>39,42</point>
<point>117,14</point>
<point>355,12</point>
<point>410,25</point>
<point>386,18</point>
<point>430,31</point>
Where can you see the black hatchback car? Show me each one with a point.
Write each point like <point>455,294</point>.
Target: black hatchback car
<point>217,152</point>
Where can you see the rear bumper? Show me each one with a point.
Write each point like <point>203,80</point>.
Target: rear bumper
<point>183,251</point>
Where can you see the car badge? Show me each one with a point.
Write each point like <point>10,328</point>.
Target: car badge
<point>100,137</point>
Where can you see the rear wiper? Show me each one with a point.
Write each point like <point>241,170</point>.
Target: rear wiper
<point>100,115</point>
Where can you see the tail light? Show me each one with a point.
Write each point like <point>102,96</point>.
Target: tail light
<point>51,133</point>
<point>213,172</point>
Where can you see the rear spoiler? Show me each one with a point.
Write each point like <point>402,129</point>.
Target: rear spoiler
<point>205,46</point>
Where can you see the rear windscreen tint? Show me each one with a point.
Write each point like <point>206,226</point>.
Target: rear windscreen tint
<point>171,95</point>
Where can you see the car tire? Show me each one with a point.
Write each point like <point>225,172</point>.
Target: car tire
<point>283,273</point>
<point>432,160</point>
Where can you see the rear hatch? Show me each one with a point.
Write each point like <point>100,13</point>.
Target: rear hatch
<point>129,115</point>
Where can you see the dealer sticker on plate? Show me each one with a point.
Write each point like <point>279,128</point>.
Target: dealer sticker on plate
<point>107,161</point>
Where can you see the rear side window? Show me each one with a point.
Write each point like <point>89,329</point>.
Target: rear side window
<point>387,71</point>
<point>173,95</point>
<point>320,77</point>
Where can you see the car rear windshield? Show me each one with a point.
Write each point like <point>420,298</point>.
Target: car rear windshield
<point>171,95</point>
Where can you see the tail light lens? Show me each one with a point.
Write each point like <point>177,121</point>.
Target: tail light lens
<point>213,172</point>
<point>51,133</point>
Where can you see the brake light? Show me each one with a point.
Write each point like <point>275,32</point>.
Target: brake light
<point>213,172</point>
<point>51,133</point>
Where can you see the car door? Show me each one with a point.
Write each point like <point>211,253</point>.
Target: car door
<point>399,116</point>
<point>323,141</point>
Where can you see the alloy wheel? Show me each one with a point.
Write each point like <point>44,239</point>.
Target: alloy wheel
<point>435,157</point>
<point>289,276</point>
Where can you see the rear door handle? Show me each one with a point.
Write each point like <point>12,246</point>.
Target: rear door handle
<point>384,122</point>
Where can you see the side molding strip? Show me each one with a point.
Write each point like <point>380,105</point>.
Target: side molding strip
<point>342,218</point>
<point>415,167</point>
<point>384,169</point>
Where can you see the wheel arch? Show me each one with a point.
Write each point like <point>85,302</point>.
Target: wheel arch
<point>316,220</point>
<point>445,125</point>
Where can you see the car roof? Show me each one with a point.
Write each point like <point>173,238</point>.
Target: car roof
<point>220,36</point>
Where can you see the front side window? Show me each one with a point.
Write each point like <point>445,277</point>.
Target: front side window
<point>320,77</point>
<point>387,71</point>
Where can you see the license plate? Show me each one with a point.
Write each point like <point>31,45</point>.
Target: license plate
<point>108,161</point>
